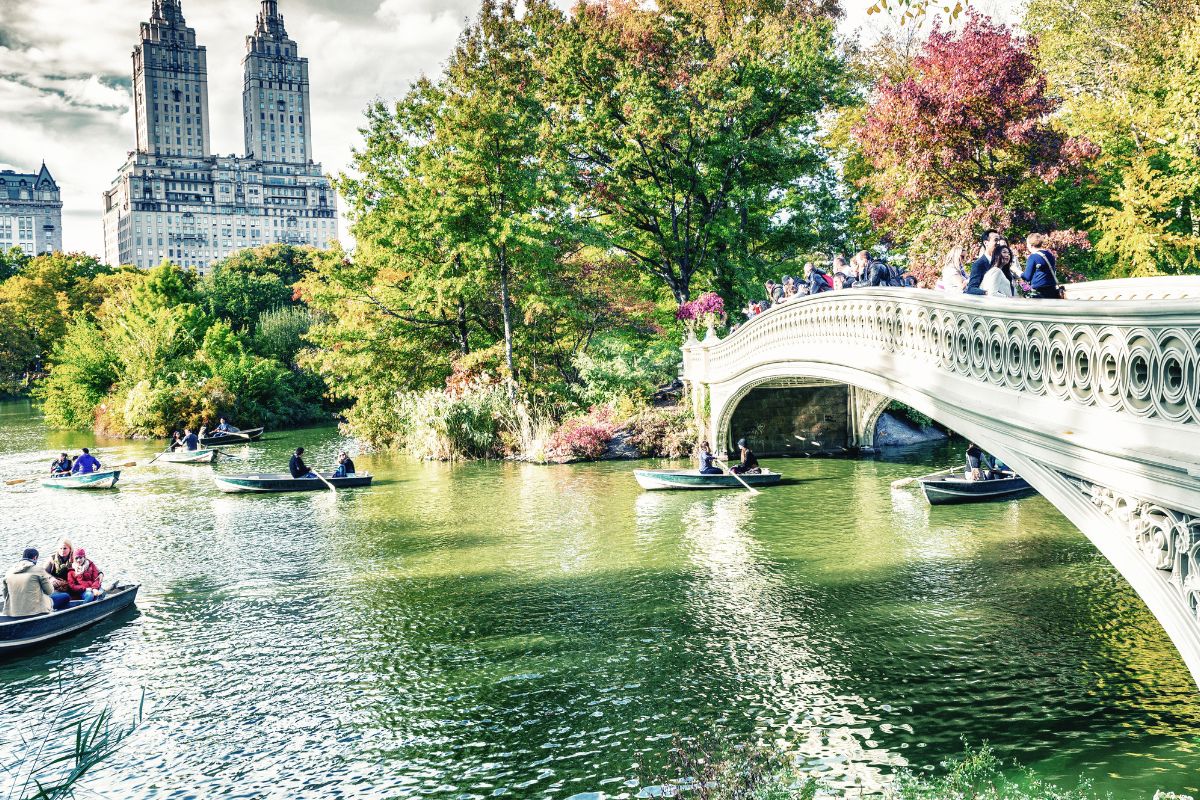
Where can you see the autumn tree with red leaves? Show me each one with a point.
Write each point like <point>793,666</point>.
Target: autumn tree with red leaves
<point>965,142</point>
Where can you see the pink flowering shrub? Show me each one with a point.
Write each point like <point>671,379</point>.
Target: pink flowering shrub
<point>708,303</point>
<point>583,437</point>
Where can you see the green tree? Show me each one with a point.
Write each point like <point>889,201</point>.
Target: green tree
<point>242,286</point>
<point>1129,71</point>
<point>455,204</point>
<point>691,130</point>
<point>37,304</point>
<point>12,261</point>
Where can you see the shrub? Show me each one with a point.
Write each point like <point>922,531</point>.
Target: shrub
<point>914,417</point>
<point>667,432</point>
<point>583,437</point>
<point>435,424</point>
<point>614,368</point>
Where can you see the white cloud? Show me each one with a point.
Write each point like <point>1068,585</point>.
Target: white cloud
<point>65,97</point>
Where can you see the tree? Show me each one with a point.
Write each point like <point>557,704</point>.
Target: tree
<point>455,203</point>
<point>12,261</point>
<point>690,129</point>
<point>37,303</point>
<point>240,287</point>
<point>150,359</point>
<point>1129,71</point>
<point>964,141</point>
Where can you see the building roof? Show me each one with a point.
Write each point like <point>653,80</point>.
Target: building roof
<point>42,179</point>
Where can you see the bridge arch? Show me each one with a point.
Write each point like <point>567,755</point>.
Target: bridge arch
<point>1096,402</point>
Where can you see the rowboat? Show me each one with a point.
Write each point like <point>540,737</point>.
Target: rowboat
<point>241,437</point>
<point>104,479</point>
<point>284,482</point>
<point>692,479</point>
<point>19,632</point>
<point>201,456</point>
<point>950,487</point>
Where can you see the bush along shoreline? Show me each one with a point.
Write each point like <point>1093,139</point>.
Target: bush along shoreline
<point>485,419</point>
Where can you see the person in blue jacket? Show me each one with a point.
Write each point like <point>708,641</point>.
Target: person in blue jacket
<point>85,464</point>
<point>190,440</point>
<point>707,467</point>
<point>61,465</point>
<point>1039,268</point>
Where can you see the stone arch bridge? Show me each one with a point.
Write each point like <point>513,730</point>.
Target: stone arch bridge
<point>1095,400</point>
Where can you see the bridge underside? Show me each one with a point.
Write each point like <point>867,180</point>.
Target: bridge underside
<point>803,417</point>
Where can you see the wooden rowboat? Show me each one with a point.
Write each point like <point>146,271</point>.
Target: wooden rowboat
<point>104,479</point>
<point>692,479</point>
<point>21,632</point>
<point>283,482</point>
<point>950,487</point>
<point>201,456</point>
<point>241,437</point>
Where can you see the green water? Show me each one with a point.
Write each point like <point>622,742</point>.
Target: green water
<point>480,629</point>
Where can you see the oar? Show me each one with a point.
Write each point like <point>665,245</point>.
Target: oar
<point>327,483</point>
<point>904,483</point>
<point>163,453</point>
<point>15,481</point>
<point>749,488</point>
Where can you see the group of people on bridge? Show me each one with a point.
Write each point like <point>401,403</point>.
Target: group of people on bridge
<point>992,273</point>
<point>69,576</point>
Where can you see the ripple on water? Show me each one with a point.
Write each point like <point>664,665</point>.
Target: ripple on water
<point>482,630</point>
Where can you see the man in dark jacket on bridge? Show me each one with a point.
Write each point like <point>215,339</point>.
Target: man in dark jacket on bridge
<point>981,265</point>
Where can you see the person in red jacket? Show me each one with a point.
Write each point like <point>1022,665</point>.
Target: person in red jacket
<point>83,581</point>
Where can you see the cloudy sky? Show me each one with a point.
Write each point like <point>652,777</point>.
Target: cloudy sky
<point>65,78</point>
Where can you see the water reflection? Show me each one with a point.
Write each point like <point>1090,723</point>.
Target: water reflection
<point>465,629</point>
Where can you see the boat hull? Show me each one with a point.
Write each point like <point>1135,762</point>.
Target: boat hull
<point>190,457</point>
<point>654,479</point>
<point>273,483</point>
<point>104,479</point>
<point>17,633</point>
<point>944,491</point>
<point>224,438</point>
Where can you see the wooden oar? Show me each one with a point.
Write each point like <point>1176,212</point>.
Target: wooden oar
<point>163,453</point>
<point>332,488</point>
<point>749,488</point>
<point>904,483</point>
<point>15,481</point>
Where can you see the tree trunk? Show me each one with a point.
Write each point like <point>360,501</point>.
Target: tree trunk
<point>464,344</point>
<point>506,313</point>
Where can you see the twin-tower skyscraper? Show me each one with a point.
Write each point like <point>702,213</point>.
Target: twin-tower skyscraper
<point>173,200</point>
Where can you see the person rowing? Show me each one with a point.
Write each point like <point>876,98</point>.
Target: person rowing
<point>979,467</point>
<point>61,465</point>
<point>85,464</point>
<point>190,440</point>
<point>707,467</point>
<point>297,466</point>
<point>749,463</point>
<point>225,427</point>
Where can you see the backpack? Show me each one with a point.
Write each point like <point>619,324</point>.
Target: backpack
<point>895,277</point>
